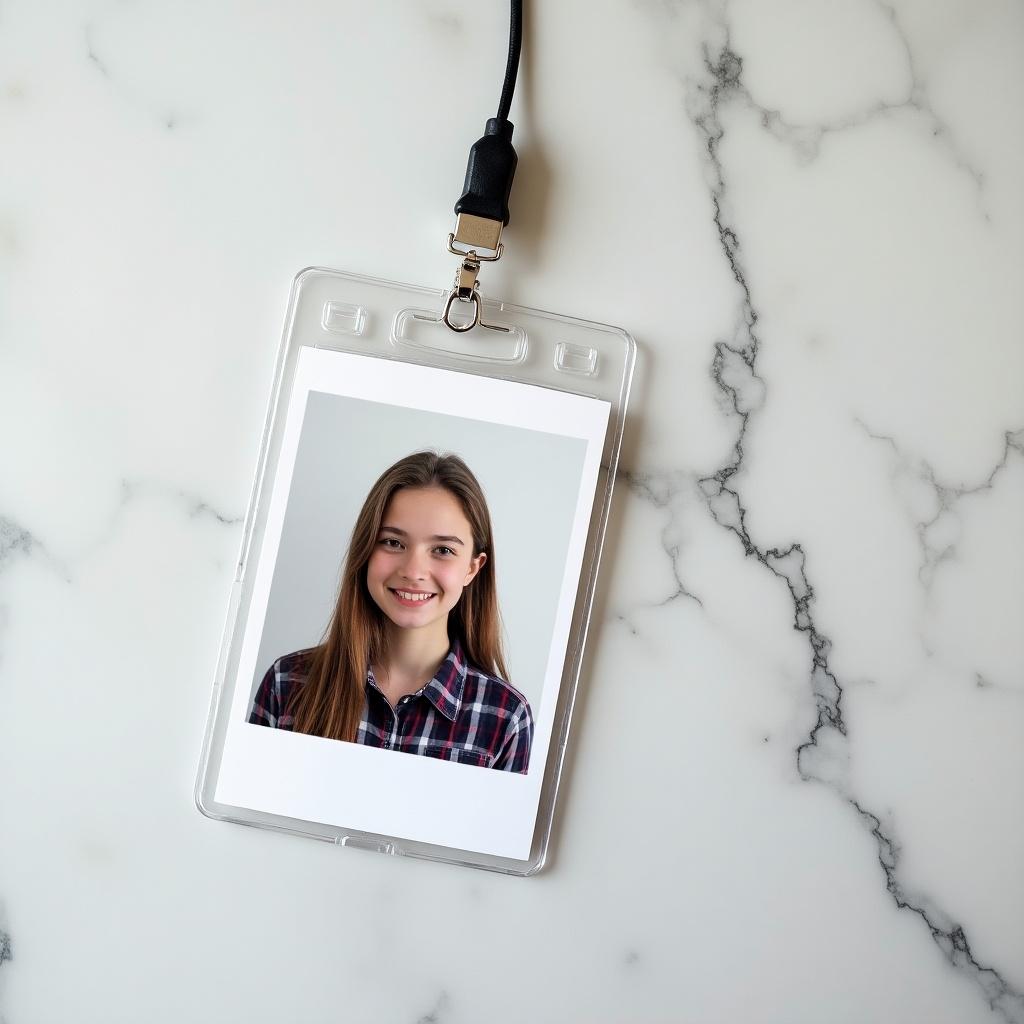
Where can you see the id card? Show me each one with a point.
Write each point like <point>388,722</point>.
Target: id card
<point>406,626</point>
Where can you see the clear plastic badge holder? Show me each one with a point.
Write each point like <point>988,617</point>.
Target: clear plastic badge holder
<point>366,364</point>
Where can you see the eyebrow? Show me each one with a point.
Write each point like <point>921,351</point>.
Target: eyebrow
<point>437,536</point>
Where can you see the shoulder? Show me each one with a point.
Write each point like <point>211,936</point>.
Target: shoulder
<point>495,695</point>
<point>287,671</point>
<point>296,663</point>
<point>283,677</point>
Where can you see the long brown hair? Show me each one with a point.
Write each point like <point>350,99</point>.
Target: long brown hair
<point>330,703</point>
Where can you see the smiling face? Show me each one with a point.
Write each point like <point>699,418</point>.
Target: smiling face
<point>422,558</point>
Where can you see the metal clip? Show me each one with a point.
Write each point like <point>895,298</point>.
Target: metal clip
<point>472,252</point>
<point>446,315</point>
<point>466,288</point>
<point>467,277</point>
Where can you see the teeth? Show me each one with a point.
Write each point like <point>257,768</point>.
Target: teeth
<point>413,597</point>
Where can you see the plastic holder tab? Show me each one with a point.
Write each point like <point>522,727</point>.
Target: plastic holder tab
<point>344,318</point>
<point>581,359</point>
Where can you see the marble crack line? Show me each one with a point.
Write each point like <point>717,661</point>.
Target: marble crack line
<point>16,541</point>
<point>90,51</point>
<point>806,139</point>
<point>917,99</point>
<point>132,491</point>
<point>661,491</point>
<point>194,505</point>
<point>434,1016</point>
<point>935,550</point>
<point>949,936</point>
<point>169,121</point>
<point>982,682</point>
<point>6,946</point>
<point>824,756</point>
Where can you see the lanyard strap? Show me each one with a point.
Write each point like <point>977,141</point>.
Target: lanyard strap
<point>482,209</point>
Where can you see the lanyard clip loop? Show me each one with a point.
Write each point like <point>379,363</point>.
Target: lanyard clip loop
<point>466,288</point>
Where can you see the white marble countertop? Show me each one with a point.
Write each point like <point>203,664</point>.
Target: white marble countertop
<point>796,781</point>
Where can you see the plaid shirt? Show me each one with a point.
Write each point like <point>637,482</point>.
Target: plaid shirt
<point>462,714</point>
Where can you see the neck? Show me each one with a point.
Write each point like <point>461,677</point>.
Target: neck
<point>414,655</point>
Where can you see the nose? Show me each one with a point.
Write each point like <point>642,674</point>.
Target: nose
<point>414,566</point>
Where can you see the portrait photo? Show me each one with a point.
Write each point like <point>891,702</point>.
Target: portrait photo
<point>405,637</point>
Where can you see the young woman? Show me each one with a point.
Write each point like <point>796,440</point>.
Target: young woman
<point>412,658</point>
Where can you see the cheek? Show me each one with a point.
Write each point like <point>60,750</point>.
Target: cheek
<point>453,578</point>
<point>376,569</point>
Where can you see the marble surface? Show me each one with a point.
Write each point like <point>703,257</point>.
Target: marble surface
<point>796,783</point>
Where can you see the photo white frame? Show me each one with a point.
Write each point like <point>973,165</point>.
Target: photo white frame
<point>378,791</point>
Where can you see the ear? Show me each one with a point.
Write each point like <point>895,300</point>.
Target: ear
<point>475,566</point>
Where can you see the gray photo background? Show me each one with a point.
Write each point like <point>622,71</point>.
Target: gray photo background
<point>531,481</point>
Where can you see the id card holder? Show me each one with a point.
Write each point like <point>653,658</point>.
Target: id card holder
<point>370,387</point>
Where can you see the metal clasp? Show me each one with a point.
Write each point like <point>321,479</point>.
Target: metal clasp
<point>466,288</point>
<point>473,252</point>
<point>467,278</point>
<point>446,315</point>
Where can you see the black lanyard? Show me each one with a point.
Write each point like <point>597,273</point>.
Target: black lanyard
<point>482,209</point>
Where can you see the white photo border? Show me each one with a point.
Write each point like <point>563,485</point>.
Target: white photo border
<point>416,798</point>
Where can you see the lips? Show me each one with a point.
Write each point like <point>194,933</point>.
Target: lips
<point>412,598</point>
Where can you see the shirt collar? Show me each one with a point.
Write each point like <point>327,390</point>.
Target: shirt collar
<point>444,691</point>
